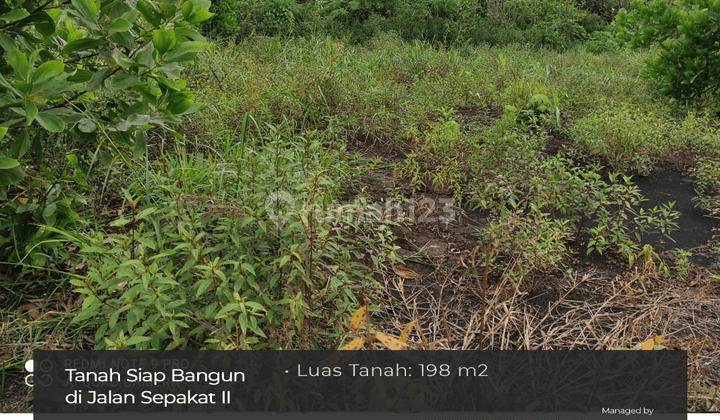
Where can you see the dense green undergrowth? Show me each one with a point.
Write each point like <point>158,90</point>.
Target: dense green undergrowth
<point>232,249</point>
<point>556,24</point>
<point>237,235</point>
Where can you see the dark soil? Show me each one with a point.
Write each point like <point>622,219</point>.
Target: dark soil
<point>585,302</point>
<point>665,184</point>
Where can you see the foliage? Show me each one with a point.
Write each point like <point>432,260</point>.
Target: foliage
<point>687,32</point>
<point>565,202</point>
<point>625,138</point>
<point>237,251</point>
<point>438,156</point>
<point>241,18</point>
<point>555,23</point>
<point>647,257</point>
<point>539,111</point>
<point>81,81</point>
<point>606,9</point>
<point>682,264</point>
<point>600,42</point>
<point>707,173</point>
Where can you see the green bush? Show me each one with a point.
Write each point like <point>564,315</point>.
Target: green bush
<point>437,160</point>
<point>81,82</point>
<point>687,31</point>
<point>606,9</point>
<point>600,42</point>
<point>560,202</point>
<point>707,173</point>
<point>624,137</point>
<point>241,18</point>
<point>238,249</point>
<point>555,23</point>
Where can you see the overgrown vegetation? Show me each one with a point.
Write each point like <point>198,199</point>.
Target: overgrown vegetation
<point>130,220</point>
<point>555,23</point>
<point>687,66</point>
<point>81,84</point>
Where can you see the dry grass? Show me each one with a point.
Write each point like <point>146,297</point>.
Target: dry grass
<point>578,311</point>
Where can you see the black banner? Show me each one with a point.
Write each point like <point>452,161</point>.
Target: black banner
<point>617,383</point>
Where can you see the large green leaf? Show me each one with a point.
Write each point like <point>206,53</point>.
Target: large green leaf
<point>83,44</point>
<point>123,81</point>
<point>149,13</point>
<point>163,40</point>
<point>200,16</point>
<point>119,25</point>
<point>86,10</point>
<point>8,163</point>
<point>44,24</point>
<point>11,176</point>
<point>179,102</point>
<point>19,63</point>
<point>50,122</point>
<point>87,125</point>
<point>184,51</point>
<point>20,146</point>
<point>7,43</point>
<point>47,70</point>
<point>14,15</point>
<point>97,79</point>
<point>140,147</point>
<point>189,34</point>
<point>31,111</point>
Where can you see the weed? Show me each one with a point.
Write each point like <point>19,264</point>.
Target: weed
<point>707,179</point>
<point>682,263</point>
<point>627,139</point>
<point>652,265</point>
<point>234,259</point>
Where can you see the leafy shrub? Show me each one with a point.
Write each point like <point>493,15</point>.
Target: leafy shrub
<point>240,251</point>
<point>606,9</point>
<point>240,18</point>
<point>438,157</point>
<point>625,138</point>
<point>82,81</point>
<point>698,133</point>
<point>600,42</point>
<point>687,33</point>
<point>538,111</point>
<point>560,202</point>
<point>555,24</point>
<point>707,173</point>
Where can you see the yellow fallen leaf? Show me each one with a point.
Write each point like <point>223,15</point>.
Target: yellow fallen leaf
<point>649,344</point>
<point>356,344</point>
<point>359,318</point>
<point>406,332</point>
<point>405,272</point>
<point>392,342</point>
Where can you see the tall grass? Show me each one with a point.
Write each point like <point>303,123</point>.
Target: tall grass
<point>387,89</point>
